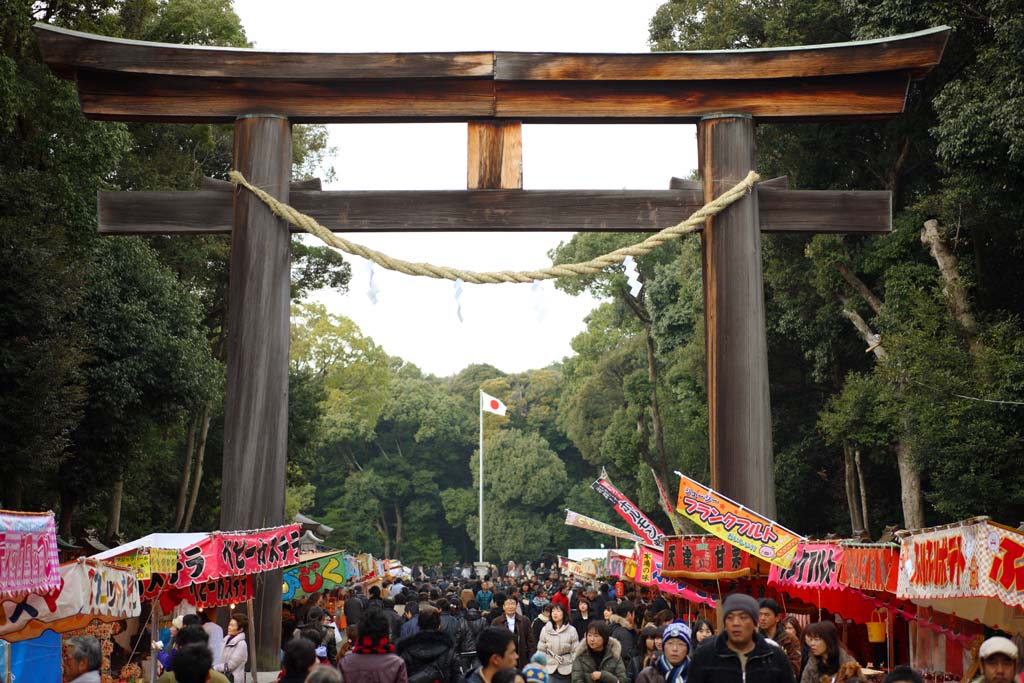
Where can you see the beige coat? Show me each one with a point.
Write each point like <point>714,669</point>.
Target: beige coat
<point>558,646</point>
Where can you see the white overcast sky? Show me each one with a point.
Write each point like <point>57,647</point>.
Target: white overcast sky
<point>513,327</point>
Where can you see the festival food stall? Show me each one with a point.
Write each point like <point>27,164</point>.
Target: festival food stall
<point>41,600</point>
<point>209,569</point>
<point>961,575</point>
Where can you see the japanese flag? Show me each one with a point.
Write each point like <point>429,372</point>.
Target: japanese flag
<point>491,405</point>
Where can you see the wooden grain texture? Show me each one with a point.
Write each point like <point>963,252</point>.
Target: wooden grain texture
<point>69,51</point>
<point>739,410</point>
<point>917,52</point>
<point>306,184</point>
<point>256,401</point>
<point>209,212</point>
<point>162,98</point>
<point>830,97</point>
<point>128,80</point>
<point>494,155</point>
<point>194,99</point>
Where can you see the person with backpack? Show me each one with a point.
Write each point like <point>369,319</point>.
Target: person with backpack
<point>475,623</point>
<point>429,654</point>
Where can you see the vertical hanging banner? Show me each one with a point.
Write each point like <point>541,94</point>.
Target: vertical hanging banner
<point>637,520</point>
<point>735,524</point>
<point>28,554</point>
<point>704,557</point>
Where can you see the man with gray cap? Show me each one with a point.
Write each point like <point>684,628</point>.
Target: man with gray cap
<point>739,654</point>
<point>999,658</point>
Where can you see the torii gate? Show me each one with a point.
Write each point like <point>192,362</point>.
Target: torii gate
<point>263,93</point>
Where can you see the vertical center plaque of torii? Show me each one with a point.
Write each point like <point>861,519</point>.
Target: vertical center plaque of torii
<point>724,92</point>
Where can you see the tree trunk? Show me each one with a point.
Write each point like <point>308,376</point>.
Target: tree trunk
<point>398,531</point>
<point>186,473</point>
<point>852,500</point>
<point>13,499</point>
<point>204,429</point>
<point>68,503</point>
<point>954,291</point>
<point>910,487</point>
<point>863,493</point>
<point>382,529</point>
<point>910,475</point>
<point>114,518</point>
<point>873,341</point>
<point>652,377</point>
<point>865,292</point>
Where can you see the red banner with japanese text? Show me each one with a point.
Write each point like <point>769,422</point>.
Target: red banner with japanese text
<point>228,590</point>
<point>229,554</point>
<point>870,568</point>
<point>975,559</point>
<point>735,524</point>
<point>649,572</point>
<point>704,557</point>
<point>815,565</point>
<point>637,520</point>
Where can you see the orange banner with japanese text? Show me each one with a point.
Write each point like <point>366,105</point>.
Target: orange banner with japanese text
<point>735,524</point>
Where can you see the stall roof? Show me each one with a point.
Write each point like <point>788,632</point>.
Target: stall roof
<point>165,541</point>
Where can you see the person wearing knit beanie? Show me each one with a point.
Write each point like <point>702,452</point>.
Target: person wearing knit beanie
<point>674,663</point>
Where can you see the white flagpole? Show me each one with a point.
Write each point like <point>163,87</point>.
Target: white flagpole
<point>480,407</point>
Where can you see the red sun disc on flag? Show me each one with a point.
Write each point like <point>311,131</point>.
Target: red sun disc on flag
<point>494,404</point>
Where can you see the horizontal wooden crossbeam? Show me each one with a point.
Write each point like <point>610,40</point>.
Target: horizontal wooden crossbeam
<point>134,80</point>
<point>209,211</point>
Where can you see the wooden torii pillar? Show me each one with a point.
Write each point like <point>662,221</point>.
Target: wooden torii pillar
<point>724,92</point>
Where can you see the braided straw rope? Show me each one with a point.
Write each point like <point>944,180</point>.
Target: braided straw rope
<point>591,267</point>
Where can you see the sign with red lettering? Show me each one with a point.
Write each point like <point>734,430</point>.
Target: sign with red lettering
<point>815,565</point>
<point>28,554</point>
<point>704,557</point>
<point>979,559</point>
<point>871,568</point>
<point>229,554</point>
<point>637,520</point>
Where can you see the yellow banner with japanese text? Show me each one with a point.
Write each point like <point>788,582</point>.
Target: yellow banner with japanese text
<point>735,524</point>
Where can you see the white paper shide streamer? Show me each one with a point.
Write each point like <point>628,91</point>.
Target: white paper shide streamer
<point>632,276</point>
<point>540,310</point>
<point>371,289</point>
<point>458,298</point>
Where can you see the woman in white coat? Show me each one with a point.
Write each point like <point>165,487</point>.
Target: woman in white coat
<point>558,640</point>
<point>235,653</point>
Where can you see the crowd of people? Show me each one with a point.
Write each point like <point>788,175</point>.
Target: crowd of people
<point>523,629</point>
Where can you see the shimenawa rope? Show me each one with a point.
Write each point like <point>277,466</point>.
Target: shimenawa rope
<point>591,267</point>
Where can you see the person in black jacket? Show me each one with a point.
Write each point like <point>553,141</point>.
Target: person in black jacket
<point>623,630</point>
<point>475,623</point>
<point>739,654</point>
<point>429,654</point>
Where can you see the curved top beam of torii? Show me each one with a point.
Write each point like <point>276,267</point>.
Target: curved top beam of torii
<point>134,80</point>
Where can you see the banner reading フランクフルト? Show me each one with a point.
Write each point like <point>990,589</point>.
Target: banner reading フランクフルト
<point>735,524</point>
